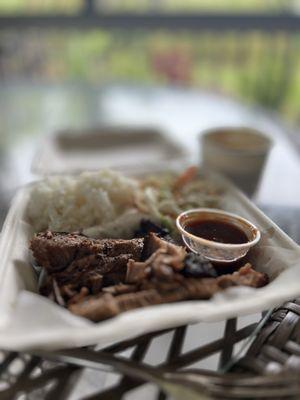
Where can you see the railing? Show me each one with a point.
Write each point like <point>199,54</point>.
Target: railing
<point>89,18</point>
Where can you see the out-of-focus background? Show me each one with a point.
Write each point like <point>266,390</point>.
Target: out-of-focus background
<point>181,66</point>
<point>246,49</point>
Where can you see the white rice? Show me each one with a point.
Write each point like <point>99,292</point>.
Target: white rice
<point>109,204</point>
<point>71,203</point>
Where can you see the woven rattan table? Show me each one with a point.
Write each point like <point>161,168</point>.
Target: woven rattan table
<point>269,370</point>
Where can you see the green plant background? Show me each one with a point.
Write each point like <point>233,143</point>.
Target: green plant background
<point>257,67</point>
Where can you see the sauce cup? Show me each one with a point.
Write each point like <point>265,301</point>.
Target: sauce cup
<point>217,251</point>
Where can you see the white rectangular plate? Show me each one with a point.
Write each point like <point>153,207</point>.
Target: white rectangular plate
<point>28,320</point>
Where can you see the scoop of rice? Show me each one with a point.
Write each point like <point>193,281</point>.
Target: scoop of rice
<point>71,203</point>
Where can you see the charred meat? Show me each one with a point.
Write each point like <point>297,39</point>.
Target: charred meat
<point>58,251</point>
<point>97,308</point>
<point>98,279</point>
<point>74,261</point>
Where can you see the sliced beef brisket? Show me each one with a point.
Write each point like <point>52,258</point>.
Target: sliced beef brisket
<point>57,251</point>
<point>100,307</point>
<point>74,261</point>
<point>98,279</point>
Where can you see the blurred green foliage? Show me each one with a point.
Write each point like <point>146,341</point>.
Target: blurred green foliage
<point>39,6</point>
<point>259,67</point>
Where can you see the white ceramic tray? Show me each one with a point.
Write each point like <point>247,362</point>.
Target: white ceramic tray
<point>29,321</point>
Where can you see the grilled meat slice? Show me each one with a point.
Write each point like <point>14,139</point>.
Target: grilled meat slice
<point>153,242</point>
<point>245,276</point>
<point>74,261</point>
<point>58,251</point>
<point>98,279</point>
<point>164,259</point>
<point>101,307</point>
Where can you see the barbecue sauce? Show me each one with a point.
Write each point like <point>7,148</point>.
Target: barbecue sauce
<point>216,231</point>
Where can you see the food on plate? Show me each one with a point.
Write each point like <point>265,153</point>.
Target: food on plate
<point>108,243</point>
<point>165,196</point>
<point>55,251</point>
<point>74,261</point>
<point>109,304</point>
<point>98,279</point>
<point>108,204</point>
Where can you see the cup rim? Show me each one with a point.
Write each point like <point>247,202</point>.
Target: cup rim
<point>219,245</point>
<point>209,132</point>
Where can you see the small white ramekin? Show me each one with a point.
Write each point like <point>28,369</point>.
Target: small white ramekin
<point>216,251</point>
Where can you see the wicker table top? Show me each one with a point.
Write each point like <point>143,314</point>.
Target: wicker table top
<point>270,368</point>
